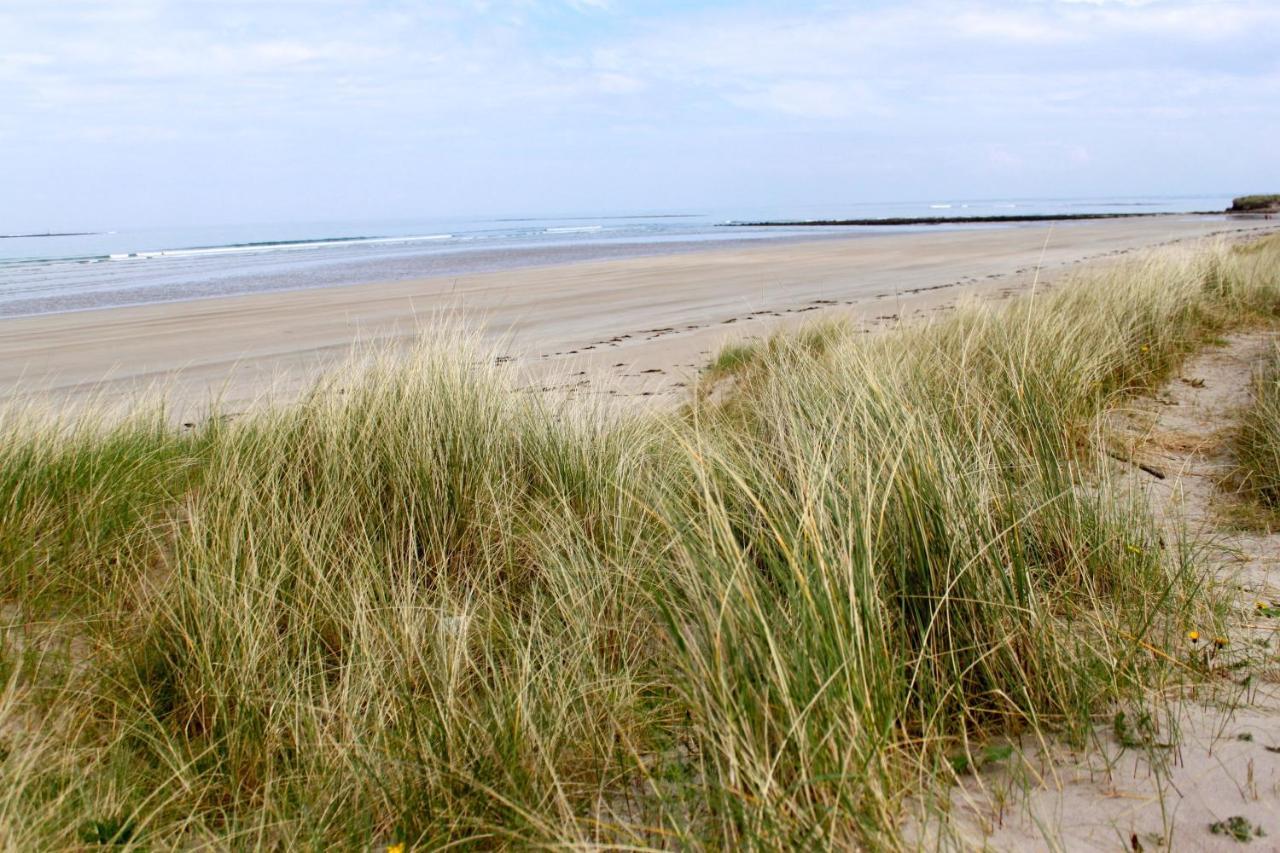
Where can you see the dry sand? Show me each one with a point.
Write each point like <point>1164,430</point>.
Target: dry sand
<point>1225,762</point>
<point>613,329</point>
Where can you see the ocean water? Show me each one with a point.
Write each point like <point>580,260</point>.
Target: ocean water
<point>44,274</point>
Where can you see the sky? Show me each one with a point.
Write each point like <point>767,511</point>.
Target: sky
<point>121,113</point>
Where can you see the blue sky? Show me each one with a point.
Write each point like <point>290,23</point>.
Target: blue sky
<point>134,112</point>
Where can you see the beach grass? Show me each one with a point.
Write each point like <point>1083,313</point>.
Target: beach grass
<point>1256,442</point>
<point>416,607</point>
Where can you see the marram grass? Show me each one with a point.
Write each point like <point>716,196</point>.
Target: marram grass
<point>418,608</point>
<point>1256,446</point>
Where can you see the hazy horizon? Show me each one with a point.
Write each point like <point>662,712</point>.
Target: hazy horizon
<point>923,207</point>
<point>134,113</point>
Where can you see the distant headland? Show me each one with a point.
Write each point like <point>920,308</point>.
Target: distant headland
<point>1256,204</point>
<point>1244,205</point>
<point>975,220</point>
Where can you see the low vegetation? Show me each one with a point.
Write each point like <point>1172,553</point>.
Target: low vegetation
<point>1256,203</point>
<point>418,608</point>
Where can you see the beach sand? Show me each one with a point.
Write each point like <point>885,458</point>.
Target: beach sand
<point>631,329</point>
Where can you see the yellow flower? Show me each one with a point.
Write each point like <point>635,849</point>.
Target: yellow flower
<point>1220,641</point>
<point>396,848</point>
<point>1133,549</point>
<point>1193,636</point>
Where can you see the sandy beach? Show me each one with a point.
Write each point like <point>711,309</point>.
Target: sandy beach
<point>618,328</point>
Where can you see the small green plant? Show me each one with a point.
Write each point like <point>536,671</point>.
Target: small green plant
<point>733,357</point>
<point>1237,827</point>
<point>112,830</point>
<point>1137,731</point>
<point>961,762</point>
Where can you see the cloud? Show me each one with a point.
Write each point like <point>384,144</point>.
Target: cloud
<point>847,61</point>
<point>821,99</point>
<point>835,61</point>
<point>618,84</point>
<point>550,90</point>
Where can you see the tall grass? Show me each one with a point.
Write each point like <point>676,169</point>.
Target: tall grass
<point>1257,439</point>
<point>80,500</point>
<point>416,607</point>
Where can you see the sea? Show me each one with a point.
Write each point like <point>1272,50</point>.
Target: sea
<point>42,274</point>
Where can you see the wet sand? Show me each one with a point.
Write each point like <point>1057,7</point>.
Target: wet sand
<point>617,329</point>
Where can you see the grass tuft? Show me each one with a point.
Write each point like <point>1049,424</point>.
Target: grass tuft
<point>1256,442</point>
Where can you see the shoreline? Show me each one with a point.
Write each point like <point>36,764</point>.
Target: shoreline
<point>457,264</point>
<point>617,330</point>
<point>137,271</point>
<point>337,274</point>
<point>1011,219</point>
<point>50,234</point>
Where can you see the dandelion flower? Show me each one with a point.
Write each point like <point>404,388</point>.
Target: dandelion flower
<point>1220,641</point>
<point>1193,636</point>
<point>396,848</point>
